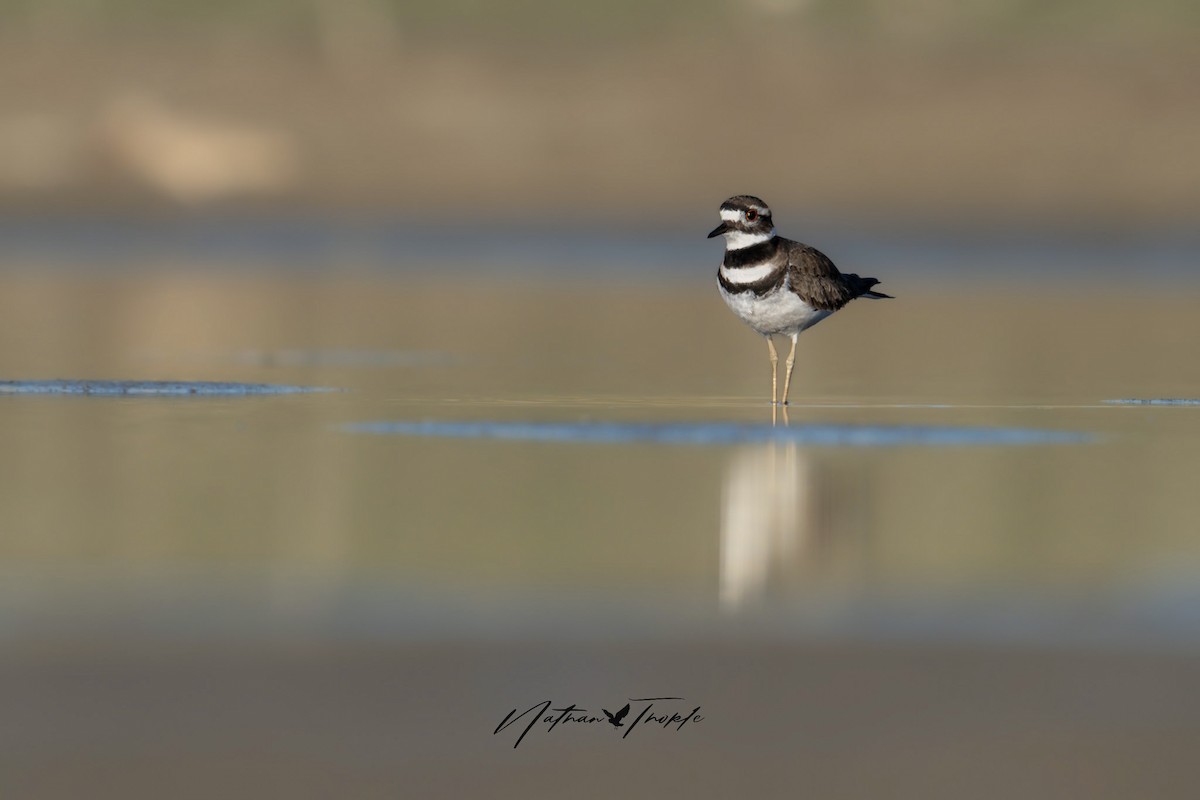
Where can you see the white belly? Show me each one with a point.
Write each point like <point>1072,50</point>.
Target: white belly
<point>780,311</point>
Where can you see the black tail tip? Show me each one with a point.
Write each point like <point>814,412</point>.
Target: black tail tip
<point>866,288</point>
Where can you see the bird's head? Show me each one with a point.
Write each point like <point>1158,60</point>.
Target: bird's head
<point>745,221</point>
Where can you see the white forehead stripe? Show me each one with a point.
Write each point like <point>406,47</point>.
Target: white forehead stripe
<point>748,274</point>
<point>736,240</point>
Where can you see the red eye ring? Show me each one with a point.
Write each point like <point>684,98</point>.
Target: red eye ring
<point>751,214</point>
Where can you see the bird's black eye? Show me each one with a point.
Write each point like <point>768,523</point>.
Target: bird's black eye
<point>751,214</point>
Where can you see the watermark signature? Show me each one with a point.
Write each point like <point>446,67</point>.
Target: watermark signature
<point>665,712</point>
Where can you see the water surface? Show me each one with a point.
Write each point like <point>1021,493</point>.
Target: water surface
<point>942,471</point>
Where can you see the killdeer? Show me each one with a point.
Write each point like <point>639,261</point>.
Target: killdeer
<point>775,285</point>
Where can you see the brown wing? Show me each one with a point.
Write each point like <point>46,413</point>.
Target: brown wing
<point>814,278</point>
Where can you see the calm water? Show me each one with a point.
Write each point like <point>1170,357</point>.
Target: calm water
<point>954,554</point>
<point>595,460</point>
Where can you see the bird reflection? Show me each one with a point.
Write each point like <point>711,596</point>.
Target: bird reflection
<point>770,515</point>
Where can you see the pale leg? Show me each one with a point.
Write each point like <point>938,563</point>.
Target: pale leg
<point>774,361</point>
<point>791,359</point>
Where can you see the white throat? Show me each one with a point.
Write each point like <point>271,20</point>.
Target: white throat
<point>739,240</point>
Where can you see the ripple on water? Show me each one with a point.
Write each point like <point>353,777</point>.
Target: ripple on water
<point>153,388</point>
<point>721,433</point>
<point>1155,401</point>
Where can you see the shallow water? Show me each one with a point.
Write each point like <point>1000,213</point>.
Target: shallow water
<point>153,388</point>
<point>501,459</point>
<point>953,553</point>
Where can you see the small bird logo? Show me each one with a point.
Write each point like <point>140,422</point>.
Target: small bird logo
<point>615,719</point>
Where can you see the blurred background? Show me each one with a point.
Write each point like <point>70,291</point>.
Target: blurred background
<point>467,210</point>
<point>984,112</point>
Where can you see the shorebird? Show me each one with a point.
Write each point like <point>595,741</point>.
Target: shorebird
<point>776,285</point>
